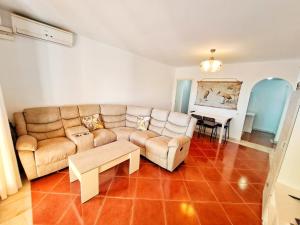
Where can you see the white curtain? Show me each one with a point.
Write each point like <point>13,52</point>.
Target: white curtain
<point>10,180</point>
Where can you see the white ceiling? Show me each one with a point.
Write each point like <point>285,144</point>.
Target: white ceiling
<point>179,32</point>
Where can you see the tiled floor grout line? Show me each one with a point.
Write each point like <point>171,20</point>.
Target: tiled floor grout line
<point>104,200</point>
<point>133,204</point>
<point>45,194</point>
<point>217,200</point>
<point>190,199</point>
<point>163,202</point>
<point>65,211</point>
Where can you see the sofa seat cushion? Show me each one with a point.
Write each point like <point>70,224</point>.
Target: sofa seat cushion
<point>158,146</point>
<point>53,150</point>
<point>103,136</point>
<point>123,132</point>
<point>140,137</point>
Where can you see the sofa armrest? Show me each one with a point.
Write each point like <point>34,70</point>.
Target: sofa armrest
<point>81,137</point>
<point>178,151</point>
<point>26,143</point>
<point>178,141</point>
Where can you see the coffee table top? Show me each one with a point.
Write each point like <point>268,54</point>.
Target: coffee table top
<point>90,159</point>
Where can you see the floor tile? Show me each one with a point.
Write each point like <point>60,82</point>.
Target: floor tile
<point>202,162</point>
<point>196,152</point>
<point>189,161</point>
<point>247,192</point>
<point>179,213</point>
<point>46,183</point>
<point>149,170</point>
<point>50,209</point>
<point>85,213</point>
<point>259,187</point>
<point>115,211</point>
<point>104,184</point>
<point>148,212</point>
<point>224,192</point>
<point>110,172</point>
<point>200,191</point>
<point>123,169</point>
<point>149,188</point>
<point>122,187</point>
<point>240,214</point>
<point>175,174</point>
<point>174,190</point>
<point>191,173</point>
<point>210,153</point>
<point>64,186</point>
<point>241,164</point>
<point>230,174</point>
<point>211,174</point>
<point>256,208</point>
<point>211,213</point>
<point>36,198</point>
<point>251,176</point>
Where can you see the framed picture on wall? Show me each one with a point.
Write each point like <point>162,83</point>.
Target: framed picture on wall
<point>220,94</point>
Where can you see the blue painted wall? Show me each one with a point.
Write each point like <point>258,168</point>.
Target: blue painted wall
<point>183,91</point>
<point>267,101</point>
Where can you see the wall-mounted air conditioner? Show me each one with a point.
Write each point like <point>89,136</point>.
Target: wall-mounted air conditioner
<point>31,28</point>
<point>6,33</point>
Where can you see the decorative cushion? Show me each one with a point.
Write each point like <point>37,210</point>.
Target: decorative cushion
<point>92,122</point>
<point>142,122</point>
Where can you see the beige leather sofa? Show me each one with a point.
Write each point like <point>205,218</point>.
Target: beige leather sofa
<point>48,135</point>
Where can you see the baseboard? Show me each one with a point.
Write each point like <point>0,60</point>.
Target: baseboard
<point>265,131</point>
<point>253,145</point>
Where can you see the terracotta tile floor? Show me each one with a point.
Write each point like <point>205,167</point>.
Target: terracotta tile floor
<point>217,185</point>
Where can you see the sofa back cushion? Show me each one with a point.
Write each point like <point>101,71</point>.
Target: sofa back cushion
<point>177,124</point>
<point>158,120</point>
<point>113,115</point>
<point>20,123</point>
<point>132,114</point>
<point>88,110</point>
<point>43,123</point>
<point>70,116</point>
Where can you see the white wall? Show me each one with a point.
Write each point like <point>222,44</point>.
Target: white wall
<point>37,73</point>
<point>249,73</point>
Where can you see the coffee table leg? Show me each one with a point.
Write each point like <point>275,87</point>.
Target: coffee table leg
<point>89,185</point>
<point>72,175</point>
<point>134,163</point>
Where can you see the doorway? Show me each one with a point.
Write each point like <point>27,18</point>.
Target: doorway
<point>266,111</point>
<point>182,98</point>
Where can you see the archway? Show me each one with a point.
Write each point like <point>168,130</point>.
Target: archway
<point>266,111</point>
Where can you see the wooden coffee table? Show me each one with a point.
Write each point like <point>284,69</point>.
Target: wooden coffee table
<point>86,166</point>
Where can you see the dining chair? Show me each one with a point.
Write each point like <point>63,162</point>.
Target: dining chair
<point>210,123</point>
<point>226,128</point>
<point>199,122</point>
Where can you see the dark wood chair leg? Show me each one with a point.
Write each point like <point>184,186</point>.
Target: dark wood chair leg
<point>211,134</point>
<point>228,132</point>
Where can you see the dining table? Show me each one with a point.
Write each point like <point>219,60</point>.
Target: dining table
<point>219,118</point>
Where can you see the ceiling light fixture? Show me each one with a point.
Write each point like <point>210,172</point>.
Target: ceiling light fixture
<point>211,65</point>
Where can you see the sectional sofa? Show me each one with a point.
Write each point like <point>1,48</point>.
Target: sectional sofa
<point>48,135</point>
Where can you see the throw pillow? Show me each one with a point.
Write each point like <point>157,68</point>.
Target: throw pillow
<point>142,122</point>
<point>92,122</point>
